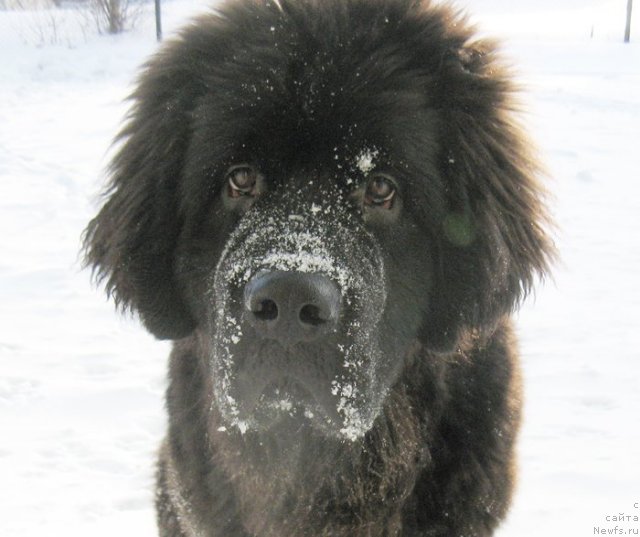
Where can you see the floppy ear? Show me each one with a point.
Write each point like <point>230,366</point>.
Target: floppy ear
<point>130,243</point>
<point>492,240</point>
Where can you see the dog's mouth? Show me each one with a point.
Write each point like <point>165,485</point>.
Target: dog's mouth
<point>286,401</point>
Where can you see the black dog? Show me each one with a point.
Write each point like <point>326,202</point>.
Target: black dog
<point>328,206</point>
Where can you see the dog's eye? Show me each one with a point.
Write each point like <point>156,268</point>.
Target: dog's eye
<point>380,192</point>
<point>242,180</point>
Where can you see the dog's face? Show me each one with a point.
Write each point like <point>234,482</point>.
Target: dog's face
<point>293,309</point>
<point>314,205</point>
<point>309,271</point>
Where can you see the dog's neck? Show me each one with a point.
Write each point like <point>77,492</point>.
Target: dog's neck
<point>299,484</point>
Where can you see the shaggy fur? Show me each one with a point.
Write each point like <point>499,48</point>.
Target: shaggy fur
<point>300,88</point>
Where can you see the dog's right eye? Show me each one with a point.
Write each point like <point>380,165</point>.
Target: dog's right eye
<point>243,180</point>
<point>380,192</point>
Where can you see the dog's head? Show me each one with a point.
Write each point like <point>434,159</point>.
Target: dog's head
<point>314,189</point>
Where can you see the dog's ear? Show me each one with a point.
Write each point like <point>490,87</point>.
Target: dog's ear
<point>130,243</point>
<point>493,241</point>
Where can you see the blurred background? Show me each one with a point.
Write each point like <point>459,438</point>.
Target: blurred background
<point>81,389</point>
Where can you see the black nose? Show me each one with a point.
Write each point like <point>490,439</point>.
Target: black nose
<point>291,307</point>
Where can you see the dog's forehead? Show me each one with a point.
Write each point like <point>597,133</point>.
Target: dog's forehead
<point>325,175</point>
<point>321,98</point>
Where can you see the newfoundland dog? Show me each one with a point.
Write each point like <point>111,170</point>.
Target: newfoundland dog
<point>328,206</point>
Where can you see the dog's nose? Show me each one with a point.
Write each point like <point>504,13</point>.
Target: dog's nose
<point>292,307</point>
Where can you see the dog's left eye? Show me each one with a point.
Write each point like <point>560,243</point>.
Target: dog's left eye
<point>380,192</point>
<point>242,180</point>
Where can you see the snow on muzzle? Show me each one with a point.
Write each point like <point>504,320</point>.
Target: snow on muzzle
<point>298,299</point>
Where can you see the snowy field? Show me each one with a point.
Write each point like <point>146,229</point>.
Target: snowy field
<point>81,391</point>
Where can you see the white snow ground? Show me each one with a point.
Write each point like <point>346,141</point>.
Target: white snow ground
<point>81,409</point>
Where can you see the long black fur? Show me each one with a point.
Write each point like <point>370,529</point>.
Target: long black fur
<point>439,460</point>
